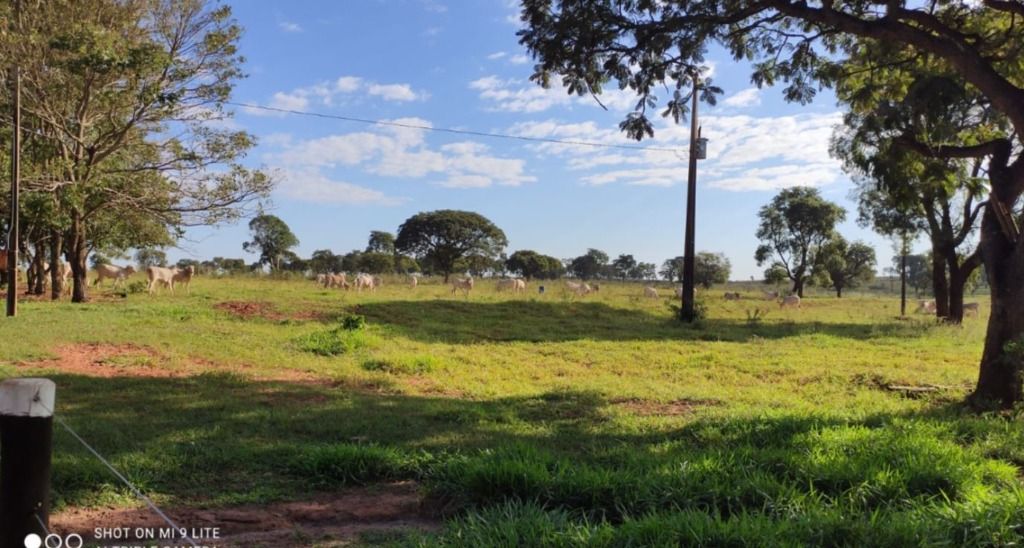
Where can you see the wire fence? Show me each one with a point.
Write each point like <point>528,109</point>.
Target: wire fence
<point>131,486</point>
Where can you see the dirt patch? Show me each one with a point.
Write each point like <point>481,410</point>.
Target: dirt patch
<point>267,311</point>
<point>108,360</point>
<point>650,408</point>
<point>327,519</point>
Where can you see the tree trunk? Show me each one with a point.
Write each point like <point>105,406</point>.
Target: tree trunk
<point>903,284</point>
<point>940,284</point>
<point>446,276</point>
<point>77,255</point>
<point>839,292</point>
<point>999,378</point>
<point>798,286</point>
<point>37,283</point>
<point>957,281</point>
<point>56,280</point>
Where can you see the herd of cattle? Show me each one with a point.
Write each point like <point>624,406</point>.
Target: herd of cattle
<point>157,275</point>
<point>518,285</point>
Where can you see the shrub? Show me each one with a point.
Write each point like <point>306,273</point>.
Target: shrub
<point>408,365</point>
<point>353,322</point>
<point>333,342</point>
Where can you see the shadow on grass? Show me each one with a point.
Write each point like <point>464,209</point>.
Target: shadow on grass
<point>462,322</point>
<point>222,439</point>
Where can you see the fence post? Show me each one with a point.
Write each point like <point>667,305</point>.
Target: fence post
<point>26,435</point>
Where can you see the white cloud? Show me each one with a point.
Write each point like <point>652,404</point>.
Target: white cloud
<point>519,59</point>
<point>343,89</point>
<point>496,55</point>
<point>289,26</point>
<point>750,97</point>
<point>400,152</point>
<point>394,92</point>
<point>313,186</point>
<point>745,153</point>
<point>347,84</point>
<point>512,95</point>
<point>289,101</point>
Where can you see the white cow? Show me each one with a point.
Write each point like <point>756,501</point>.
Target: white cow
<point>364,281</point>
<point>336,280</point>
<point>114,272</point>
<point>519,286</point>
<point>679,292</point>
<point>650,292</point>
<point>414,282</point>
<point>579,288</point>
<point>926,307</point>
<point>321,279</point>
<point>160,275</point>
<point>971,309</point>
<point>64,275</point>
<point>463,284</point>
<point>790,300</point>
<point>771,295</point>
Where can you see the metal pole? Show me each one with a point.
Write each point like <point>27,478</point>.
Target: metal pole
<point>687,310</point>
<point>26,438</point>
<point>12,242</point>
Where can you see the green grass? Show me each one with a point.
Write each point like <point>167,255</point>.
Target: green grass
<point>542,419</point>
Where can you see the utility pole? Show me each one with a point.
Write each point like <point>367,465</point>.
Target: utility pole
<point>12,241</point>
<point>687,310</point>
<point>903,276</point>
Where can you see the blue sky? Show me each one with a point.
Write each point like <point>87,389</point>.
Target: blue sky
<point>447,63</point>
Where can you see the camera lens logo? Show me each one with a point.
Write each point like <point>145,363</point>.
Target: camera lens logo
<point>32,540</point>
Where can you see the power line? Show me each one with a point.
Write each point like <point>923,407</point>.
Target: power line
<point>450,130</point>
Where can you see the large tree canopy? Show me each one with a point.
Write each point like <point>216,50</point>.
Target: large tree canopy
<point>646,46</point>
<point>440,238</point>
<point>123,100</point>
<point>272,239</point>
<point>794,226</point>
<point>843,265</point>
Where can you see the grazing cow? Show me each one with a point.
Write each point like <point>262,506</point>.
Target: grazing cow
<point>160,275</point>
<point>463,284</point>
<point>336,280</point>
<point>504,284</point>
<point>579,288</point>
<point>183,276</point>
<point>364,280</point>
<point>414,282</point>
<point>650,292</point>
<point>790,300</point>
<point>971,309</point>
<point>734,296</point>
<point>116,273</point>
<point>925,307</point>
<point>321,279</point>
<point>771,295</point>
<point>519,286</point>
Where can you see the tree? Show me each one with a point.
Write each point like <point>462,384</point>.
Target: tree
<point>643,271</point>
<point>645,46</point>
<point>622,266</point>
<point>844,265</point>
<point>185,263</point>
<point>589,265</point>
<point>672,269</point>
<point>794,226</point>
<point>148,257</point>
<point>902,191</point>
<point>272,239</point>
<point>324,261</point>
<point>352,261</point>
<point>120,96</point>
<point>532,265</point>
<point>374,262</point>
<point>440,238</point>
<point>381,242</point>
<point>711,268</point>
<point>919,271</point>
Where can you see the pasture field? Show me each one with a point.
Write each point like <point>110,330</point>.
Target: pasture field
<point>532,419</point>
